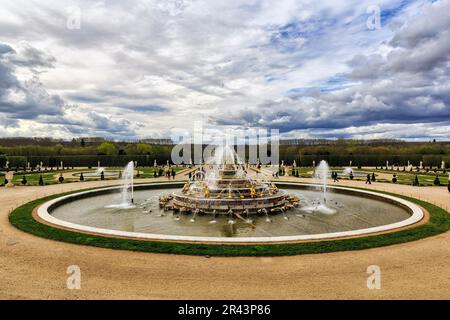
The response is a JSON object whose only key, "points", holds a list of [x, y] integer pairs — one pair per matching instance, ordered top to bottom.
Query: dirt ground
{"points": [[35, 268]]}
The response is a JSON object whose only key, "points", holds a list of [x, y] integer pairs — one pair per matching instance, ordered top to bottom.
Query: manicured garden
{"points": [[53, 177]]}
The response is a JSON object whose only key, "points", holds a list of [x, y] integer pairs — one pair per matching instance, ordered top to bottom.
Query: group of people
{"points": [[170, 173], [197, 174], [335, 176]]}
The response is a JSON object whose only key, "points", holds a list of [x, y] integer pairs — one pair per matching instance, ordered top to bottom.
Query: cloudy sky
{"points": [[312, 69]]}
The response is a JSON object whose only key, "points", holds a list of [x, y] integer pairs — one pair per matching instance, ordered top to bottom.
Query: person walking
{"points": [[173, 174], [335, 176], [368, 179]]}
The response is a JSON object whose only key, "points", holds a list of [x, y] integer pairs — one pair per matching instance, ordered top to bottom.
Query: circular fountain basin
{"points": [[350, 213]]}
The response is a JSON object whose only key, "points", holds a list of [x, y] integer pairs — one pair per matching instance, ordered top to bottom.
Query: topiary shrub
{"points": [[102, 176], [81, 177], [61, 178], [24, 180], [41, 180], [437, 182]]}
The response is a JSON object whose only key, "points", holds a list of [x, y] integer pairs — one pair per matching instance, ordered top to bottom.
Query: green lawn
{"points": [[51, 177], [403, 177], [407, 177], [33, 178], [439, 222]]}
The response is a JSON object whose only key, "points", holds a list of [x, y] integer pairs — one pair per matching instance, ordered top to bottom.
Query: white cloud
{"points": [[141, 68]]}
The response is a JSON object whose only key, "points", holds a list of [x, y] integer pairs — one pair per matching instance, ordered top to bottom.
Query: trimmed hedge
{"points": [[161, 158]]}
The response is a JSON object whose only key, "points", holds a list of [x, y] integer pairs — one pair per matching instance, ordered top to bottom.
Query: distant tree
{"points": [[107, 148], [143, 148], [58, 149]]}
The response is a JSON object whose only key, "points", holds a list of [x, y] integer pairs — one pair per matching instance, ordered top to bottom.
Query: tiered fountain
{"points": [[223, 186]]}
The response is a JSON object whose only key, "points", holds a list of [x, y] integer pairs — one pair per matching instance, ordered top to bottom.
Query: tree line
{"points": [[119, 153]]}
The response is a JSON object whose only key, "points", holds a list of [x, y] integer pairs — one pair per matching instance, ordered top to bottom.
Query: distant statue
{"points": [[206, 191]]}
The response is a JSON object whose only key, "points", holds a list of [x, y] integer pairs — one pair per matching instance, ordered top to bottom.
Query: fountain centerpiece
{"points": [[223, 186]]}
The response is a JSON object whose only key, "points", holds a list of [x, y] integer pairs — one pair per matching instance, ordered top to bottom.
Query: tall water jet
{"points": [[348, 171], [321, 174], [127, 193]]}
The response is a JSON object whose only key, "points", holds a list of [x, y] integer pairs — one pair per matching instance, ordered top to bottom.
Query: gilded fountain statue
{"points": [[223, 186]]}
